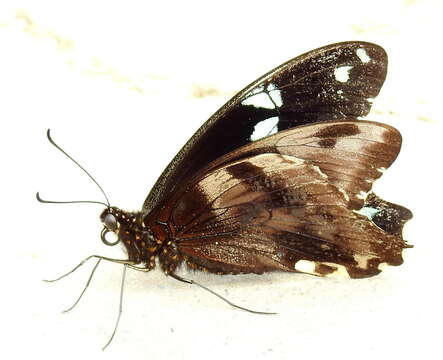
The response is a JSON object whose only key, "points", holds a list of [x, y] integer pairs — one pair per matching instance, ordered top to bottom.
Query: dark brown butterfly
{"points": [[279, 179]]}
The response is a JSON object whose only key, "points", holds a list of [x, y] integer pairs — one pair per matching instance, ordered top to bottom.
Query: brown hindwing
{"points": [[275, 212]]}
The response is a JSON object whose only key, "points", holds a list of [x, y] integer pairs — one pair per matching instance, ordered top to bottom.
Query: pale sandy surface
{"points": [[122, 87]]}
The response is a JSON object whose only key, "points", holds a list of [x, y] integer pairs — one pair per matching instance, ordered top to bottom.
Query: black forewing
{"points": [[334, 82]]}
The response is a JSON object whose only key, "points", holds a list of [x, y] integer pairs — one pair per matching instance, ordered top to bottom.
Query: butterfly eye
{"points": [[110, 222]]}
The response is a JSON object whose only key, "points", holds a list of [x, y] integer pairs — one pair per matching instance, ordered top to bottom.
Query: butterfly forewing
{"points": [[335, 82]]}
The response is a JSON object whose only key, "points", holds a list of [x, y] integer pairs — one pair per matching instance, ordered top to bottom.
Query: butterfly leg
{"points": [[100, 258], [117, 261], [126, 263], [146, 268], [188, 281], [86, 286], [120, 307]]}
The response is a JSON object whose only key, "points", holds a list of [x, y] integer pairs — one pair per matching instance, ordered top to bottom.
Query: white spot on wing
{"points": [[363, 55], [342, 73], [257, 90], [275, 94], [261, 98], [265, 128], [367, 211], [362, 260], [305, 266], [382, 266], [308, 267]]}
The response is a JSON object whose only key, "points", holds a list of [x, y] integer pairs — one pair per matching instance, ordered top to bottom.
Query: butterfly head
{"points": [[124, 225], [127, 228]]}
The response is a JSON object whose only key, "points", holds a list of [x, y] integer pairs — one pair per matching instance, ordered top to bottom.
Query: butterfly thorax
{"points": [[138, 240]]}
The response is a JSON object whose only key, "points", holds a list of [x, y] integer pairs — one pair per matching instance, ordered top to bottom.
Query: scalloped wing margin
{"points": [[277, 212]]}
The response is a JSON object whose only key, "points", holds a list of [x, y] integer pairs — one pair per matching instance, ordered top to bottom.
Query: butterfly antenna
{"points": [[48, 134], [37, 195]]}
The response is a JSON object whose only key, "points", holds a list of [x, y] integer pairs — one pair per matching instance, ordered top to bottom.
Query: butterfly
{"points": [[278, 179]]}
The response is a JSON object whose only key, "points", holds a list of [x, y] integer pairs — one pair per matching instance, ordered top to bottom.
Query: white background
{"points": [[123, 85]]}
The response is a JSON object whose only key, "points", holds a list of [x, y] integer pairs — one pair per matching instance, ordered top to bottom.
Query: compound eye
{"points": [[110, 222]]}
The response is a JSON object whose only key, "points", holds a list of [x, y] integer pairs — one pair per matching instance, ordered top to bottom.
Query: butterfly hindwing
{"points": [[271, 212]]}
